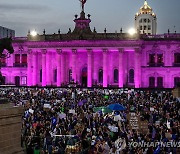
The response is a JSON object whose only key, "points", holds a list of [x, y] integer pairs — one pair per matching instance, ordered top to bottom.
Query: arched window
{"points": [[84, 71], [55, 75], [116, 75], [100, 76], [131, 76], [84, 77], [151, 82], [160, 82]]}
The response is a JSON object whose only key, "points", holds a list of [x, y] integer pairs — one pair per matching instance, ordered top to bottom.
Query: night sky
{"points": [[24, 15]]}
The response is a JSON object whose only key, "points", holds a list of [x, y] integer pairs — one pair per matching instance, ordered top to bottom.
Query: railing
{"points": [[162, 36], [20, 38], [2, 64], [156, 64], [176, 64], [20, 65]]}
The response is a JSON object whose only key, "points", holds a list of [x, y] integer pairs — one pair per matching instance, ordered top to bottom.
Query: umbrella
{"points": [[106, 97], [81, 103], [116, 107], [103, 109]]}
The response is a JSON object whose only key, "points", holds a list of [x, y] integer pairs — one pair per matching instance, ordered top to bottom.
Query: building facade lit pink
{"points": [[89, 59]]}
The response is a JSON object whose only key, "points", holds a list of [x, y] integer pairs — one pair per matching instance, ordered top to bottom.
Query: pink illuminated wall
{"points": [[94, 55]]}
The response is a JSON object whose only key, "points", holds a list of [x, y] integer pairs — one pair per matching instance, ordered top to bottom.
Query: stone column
{"points": [[59, 51], [74, 56], [44, 67], [62, 68], [105, 68], [137, 68], [29, 69], [48, 69], [121, 71], [34, 76], [89, 77]]}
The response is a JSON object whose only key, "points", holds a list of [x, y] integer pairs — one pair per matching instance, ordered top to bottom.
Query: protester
{"points": [[65, 121]]}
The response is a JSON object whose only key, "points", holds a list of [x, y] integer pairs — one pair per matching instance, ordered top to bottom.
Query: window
{"points": [[145, 20], [149, 20], [145, 27], [149, 27], [141, 28], [176, 57], [17, 58], [24, 58], [151, 58], [159, 58], [3, 60], [84, 72], [55, 75], [116, 75], [40, 76], [100, 76], [131, 76], [2, 79], [17, 80], [24, 80], [176, 81], [151, 82], [160, 82]]}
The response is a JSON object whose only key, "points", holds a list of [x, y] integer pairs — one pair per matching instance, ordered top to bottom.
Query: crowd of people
{"points": [[59, 121]]}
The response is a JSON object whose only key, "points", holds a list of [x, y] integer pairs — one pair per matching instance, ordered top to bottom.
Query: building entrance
{"points": [[84, 77]]}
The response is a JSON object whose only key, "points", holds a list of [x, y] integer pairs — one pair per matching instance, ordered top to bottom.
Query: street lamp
{"points": [[132, 31], [33, 33]]}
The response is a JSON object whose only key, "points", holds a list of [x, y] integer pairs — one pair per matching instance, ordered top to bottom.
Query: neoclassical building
{"points": [[89, 58]]}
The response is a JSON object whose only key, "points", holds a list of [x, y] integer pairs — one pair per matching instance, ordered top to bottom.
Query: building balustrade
{"points": [[3, 64], [20, 64], [156, 64], [176, 64]]}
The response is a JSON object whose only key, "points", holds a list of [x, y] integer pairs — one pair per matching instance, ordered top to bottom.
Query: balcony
{"points": [[2, 64], [156, 64], [159, 64], [176, 64], [20, 65]]}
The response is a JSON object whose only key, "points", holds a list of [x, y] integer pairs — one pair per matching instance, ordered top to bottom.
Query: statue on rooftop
{"points": [[82, 4]]}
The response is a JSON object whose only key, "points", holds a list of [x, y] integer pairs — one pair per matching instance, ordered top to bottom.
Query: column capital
{"points": [[105, 50], [121, 50], [137, 50], [29, 51], [44, 51], [59, 51], [74, 51], [89, 51], [34, 53]]}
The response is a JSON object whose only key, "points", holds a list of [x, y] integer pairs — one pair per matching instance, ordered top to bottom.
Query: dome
{"points": [[145, 9]]}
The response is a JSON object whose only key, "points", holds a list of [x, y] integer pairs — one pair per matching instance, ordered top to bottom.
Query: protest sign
{"points": [[48, 106], [31, 111]]}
